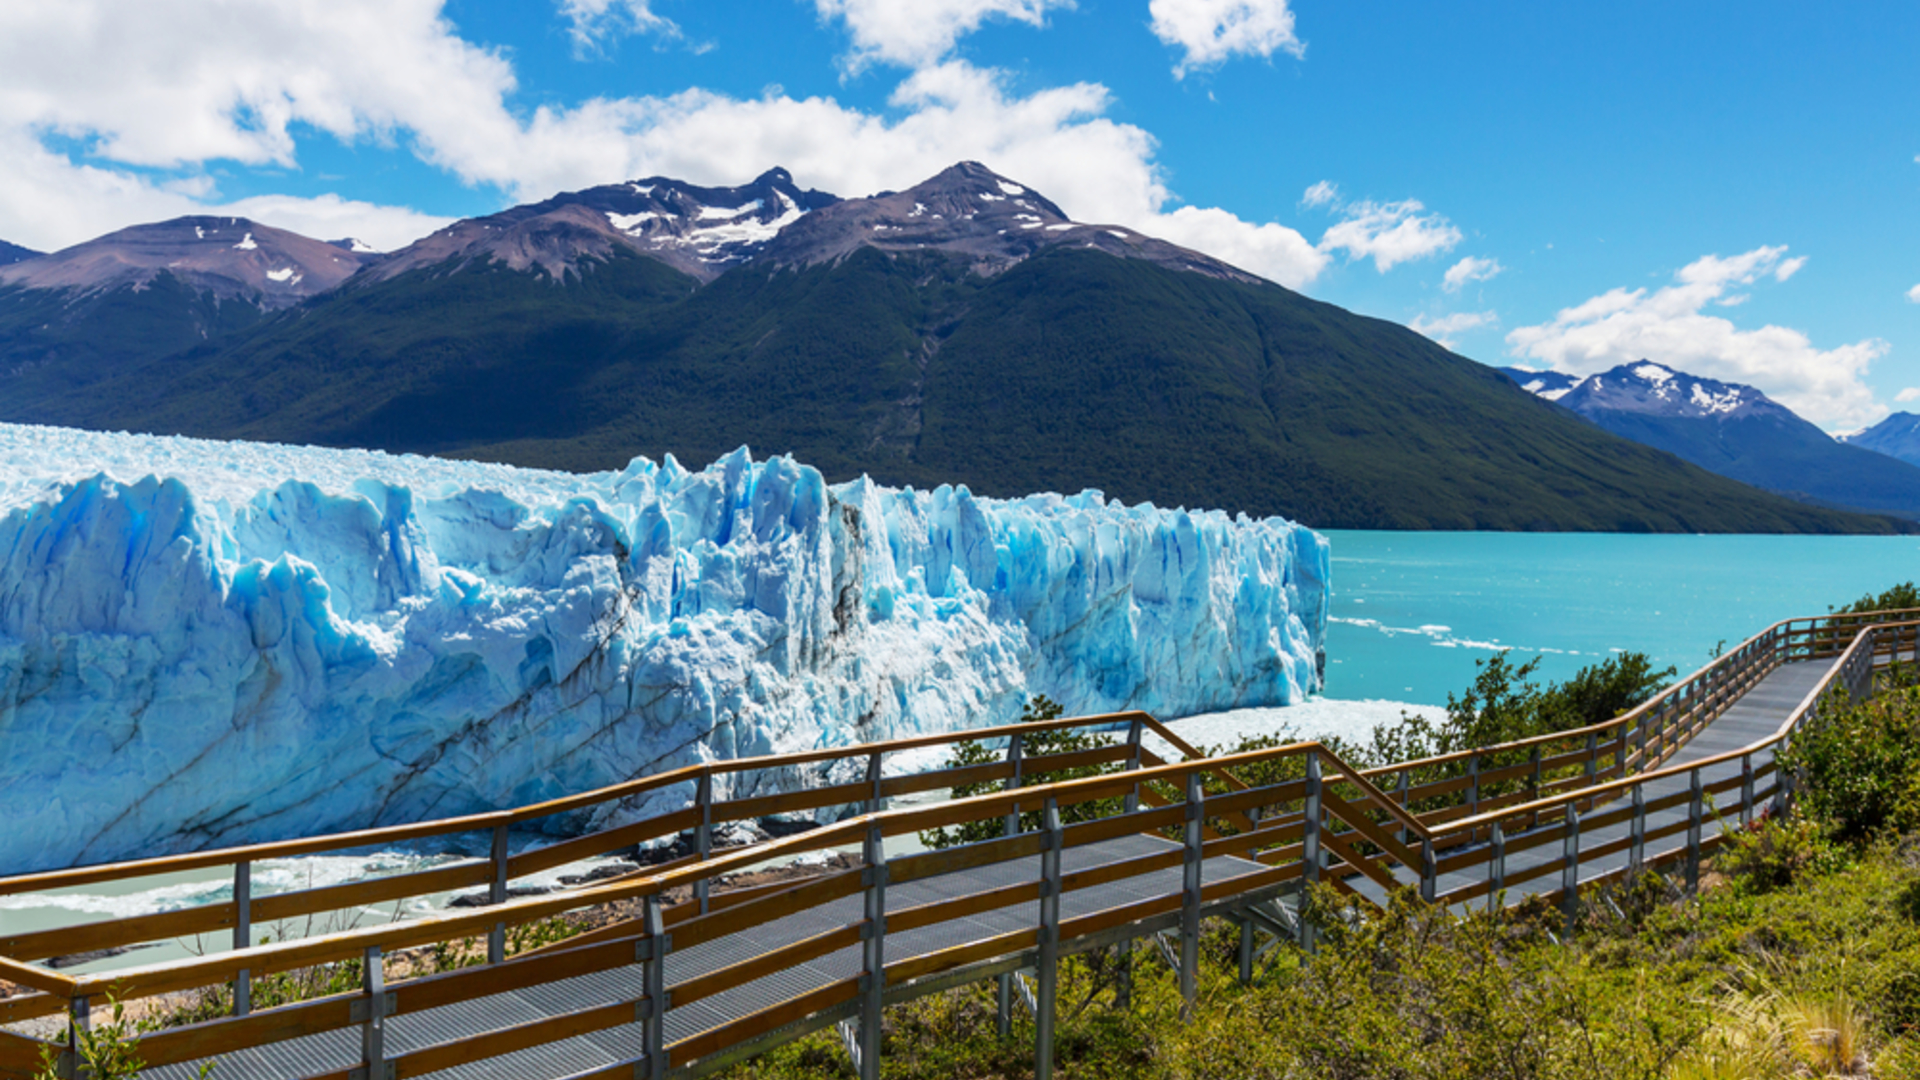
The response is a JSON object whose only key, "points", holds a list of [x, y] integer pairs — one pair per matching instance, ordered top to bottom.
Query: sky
{"points": [[1732, 189]]}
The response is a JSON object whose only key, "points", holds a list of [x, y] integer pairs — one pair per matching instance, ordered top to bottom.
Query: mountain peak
{"points": [[969, 210], [13, 253], [229, 256], [1649, 388]]}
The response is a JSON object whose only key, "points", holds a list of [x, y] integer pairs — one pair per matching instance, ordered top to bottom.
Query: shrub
{"points": [[1859, 768], [1771, 853]]}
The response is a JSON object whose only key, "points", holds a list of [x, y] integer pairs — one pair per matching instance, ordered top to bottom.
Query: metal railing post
{"points": [[1134, 733], [1016, 755], [1593, 756], [1533, 759], [1782, 780], [1473, 786], [1746, 789], [1401, 793], [876, 803], [1695, 810], [1637, 831], [703, 834], [1309, 846], [1497, 868], [1429, 871], [1570, 873], [497, 894], [1190, 895], [242, 935], [1246, 952], [1048, 975], [653, 978], [874, 981], [79, 1022], [373, 1028]]}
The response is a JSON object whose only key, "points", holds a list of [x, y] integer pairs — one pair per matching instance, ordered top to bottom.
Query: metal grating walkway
{"points": [[341, 1050]]}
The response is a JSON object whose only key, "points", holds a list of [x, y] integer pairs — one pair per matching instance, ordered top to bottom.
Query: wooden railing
{"points": [[1361, 830]]}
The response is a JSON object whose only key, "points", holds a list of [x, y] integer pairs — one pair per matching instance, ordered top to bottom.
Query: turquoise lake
{"points": [[1412, 612]]}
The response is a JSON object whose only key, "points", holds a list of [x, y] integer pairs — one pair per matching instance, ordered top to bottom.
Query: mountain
{"points": [[698, 231], [13, 253], [88, 312], [962, 331], [1734, 430], [1897, 436]]}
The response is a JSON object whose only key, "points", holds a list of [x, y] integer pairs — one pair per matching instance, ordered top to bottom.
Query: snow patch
{"points": [[1012, 189], [633, 224], [247, 243], [285, 275], [1653, 373]]}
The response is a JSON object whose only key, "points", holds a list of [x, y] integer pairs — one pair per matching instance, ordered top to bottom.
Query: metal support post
{"points": [[1134, 733], [1015, 754], [1593, 757], [1533, 758], [1782, 780], [1473, 786], [1746, 789], [1400, 792], [876, 803], [1695, 810], [1637, 830], [703, 833], [1310, 847], [1497, 868], [1429, 871], [1570, 872], [497, 894], [1190, 896], [242, 935], [1246, 952], [1049, 960], [653, 977], [874, 981], [1004, 1002], [79, 1022], [373, 1029]]}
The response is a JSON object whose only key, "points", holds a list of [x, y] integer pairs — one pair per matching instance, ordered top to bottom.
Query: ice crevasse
{"points": [[207, 643]]}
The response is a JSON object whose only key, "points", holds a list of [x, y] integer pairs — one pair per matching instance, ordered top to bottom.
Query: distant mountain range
{"points": [[13, 253], [962, 331], [1733, 430], [1896, 436]]}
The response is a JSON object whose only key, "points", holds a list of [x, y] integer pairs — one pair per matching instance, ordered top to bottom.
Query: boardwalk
{"points": [[1154, 845]]}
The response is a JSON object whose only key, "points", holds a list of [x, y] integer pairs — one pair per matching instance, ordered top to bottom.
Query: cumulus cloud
{"points": [[1210, 32], [916, 33], [159, 92], [1389, 233], [1469, 270], [1913, 294], [1668, 326], [1443, 329], [1906, 394]]}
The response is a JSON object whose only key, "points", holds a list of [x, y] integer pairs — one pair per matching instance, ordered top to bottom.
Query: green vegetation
{"points": [[1072, 369], [1902, 597]]}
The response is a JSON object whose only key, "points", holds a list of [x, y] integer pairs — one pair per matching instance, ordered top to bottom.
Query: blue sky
{"points": [[1727, 188]]}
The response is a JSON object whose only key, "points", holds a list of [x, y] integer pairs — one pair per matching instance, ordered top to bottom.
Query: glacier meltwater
{"points": [[206, 643]]}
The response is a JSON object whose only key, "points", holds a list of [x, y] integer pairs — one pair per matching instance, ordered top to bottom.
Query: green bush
{"points": [[1033, 745], [1858, 768], [1771, 854]]}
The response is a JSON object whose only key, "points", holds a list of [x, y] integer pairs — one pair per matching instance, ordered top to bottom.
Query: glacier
{"points": [[207, 643]]}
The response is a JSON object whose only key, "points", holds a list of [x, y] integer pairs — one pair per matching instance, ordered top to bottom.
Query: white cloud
{"points": [[592, 22], [1210, 32], [916, 33], [179, 85], [1324, 193], [1389, 233], [1273, 251], [1469, 270], [1913, 294], [1668, 327], [1444, 328], [1910, 393]]}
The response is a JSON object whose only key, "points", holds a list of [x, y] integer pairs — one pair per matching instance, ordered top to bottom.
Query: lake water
{"points": [[1411, 613]]}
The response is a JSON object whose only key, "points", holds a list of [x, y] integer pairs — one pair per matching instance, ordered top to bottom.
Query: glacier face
{"points": [[209, 643]]}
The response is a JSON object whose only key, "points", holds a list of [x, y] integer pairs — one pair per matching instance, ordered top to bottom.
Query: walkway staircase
{"points": [[700, 976]]}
